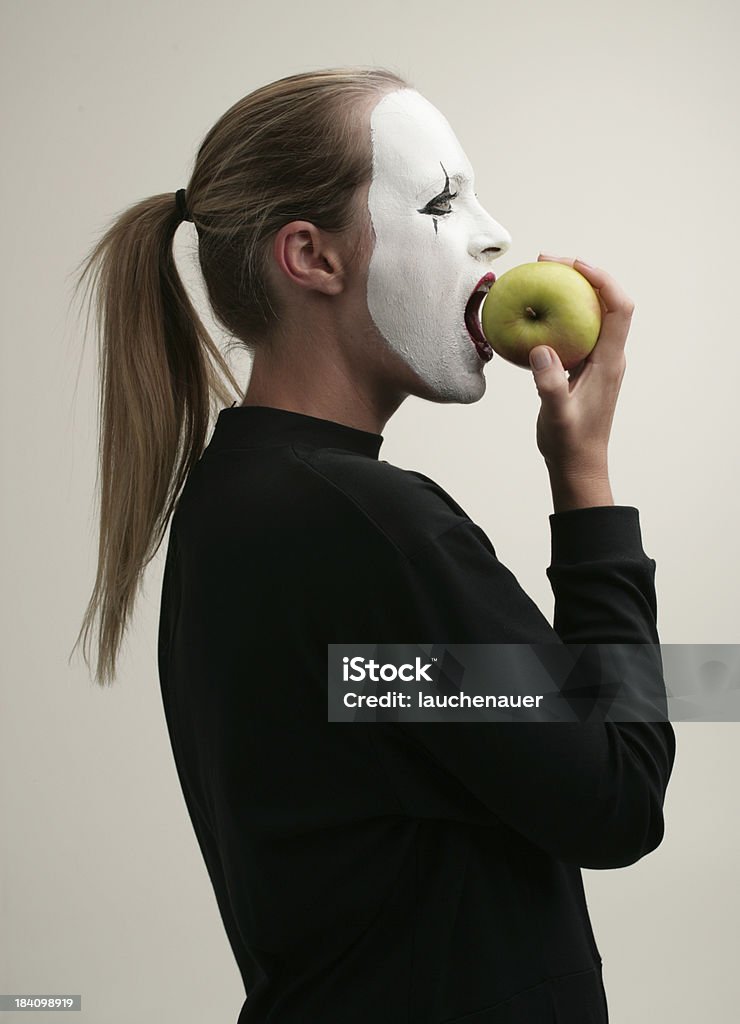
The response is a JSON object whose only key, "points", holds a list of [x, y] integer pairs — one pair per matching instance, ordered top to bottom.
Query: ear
{"points": [[309, 257]]}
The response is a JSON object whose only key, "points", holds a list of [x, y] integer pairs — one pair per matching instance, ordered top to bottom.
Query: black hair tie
{"points": [[181, 205]]}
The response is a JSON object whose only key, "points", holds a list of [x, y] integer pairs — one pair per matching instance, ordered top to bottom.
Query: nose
{"points": [[490, 241]]}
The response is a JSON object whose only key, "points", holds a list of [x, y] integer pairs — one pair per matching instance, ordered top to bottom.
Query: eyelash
{"points": [[444, 197]]}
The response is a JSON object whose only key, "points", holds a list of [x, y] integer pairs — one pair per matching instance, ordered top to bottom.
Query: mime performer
{"points": [[387, 872]]}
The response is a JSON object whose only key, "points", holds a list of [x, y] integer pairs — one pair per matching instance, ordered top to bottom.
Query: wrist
{"points": [[580, 488]]}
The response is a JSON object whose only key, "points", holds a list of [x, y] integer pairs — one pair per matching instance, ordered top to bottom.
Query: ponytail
{"points": [[157, 382]]}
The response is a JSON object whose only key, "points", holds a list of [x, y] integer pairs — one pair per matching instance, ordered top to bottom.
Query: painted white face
{"points": [[433, 244]]}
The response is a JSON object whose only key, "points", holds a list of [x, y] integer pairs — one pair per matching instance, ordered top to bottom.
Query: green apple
{"points": [[542, 303]]}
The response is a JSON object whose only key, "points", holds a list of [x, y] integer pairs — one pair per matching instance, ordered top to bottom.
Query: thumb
{"points": [[549, 375]]}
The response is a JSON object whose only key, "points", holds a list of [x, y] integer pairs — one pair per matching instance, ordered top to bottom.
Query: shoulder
{"points": [[407, 507]]}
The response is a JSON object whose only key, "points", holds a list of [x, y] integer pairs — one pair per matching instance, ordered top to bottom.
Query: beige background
{"points": [[607, 131]]}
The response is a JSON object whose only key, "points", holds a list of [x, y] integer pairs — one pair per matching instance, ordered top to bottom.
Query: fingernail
{"points": [[549, 256], [584, 264], [540, 358]]}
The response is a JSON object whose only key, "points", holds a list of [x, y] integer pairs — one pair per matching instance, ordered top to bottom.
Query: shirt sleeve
{"points": [[588, 793]]}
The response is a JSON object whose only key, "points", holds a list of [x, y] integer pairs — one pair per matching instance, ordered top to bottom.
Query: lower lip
{"points": [[475, 333]]}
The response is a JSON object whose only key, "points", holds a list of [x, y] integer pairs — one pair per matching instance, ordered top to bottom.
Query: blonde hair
{"points": [[292, 149]]}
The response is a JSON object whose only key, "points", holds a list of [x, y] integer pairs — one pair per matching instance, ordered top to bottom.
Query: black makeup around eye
{"points": [[443, 197]]}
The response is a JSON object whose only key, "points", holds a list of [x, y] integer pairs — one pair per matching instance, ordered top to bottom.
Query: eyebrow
{"points": [[461, 179]]}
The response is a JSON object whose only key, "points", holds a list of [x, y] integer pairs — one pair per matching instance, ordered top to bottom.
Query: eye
{"points": [[444, 197], [433, 205]]}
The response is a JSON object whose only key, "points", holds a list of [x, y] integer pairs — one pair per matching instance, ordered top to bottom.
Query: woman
{"points": [[365, 872]]}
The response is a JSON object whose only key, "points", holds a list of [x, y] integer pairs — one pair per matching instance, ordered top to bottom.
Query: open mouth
{"points": [[472, 317]]}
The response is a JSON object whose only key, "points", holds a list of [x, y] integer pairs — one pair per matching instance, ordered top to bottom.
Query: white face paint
{"points": [[431, 247]]}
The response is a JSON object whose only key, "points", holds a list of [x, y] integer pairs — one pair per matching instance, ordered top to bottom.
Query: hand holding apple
{"points": [[546, 303], [576, 412]]}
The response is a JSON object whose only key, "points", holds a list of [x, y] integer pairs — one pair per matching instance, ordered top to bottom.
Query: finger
{"points": [[615, 298], [617, 310], [616, 318], [551, 381]]}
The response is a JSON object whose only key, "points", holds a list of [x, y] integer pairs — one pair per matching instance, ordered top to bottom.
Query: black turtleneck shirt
{"points": [[392, 872]]}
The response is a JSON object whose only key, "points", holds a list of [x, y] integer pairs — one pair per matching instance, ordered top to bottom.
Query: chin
{"points": [[458, 378], [458, 392], [469, 392], [474, 393]]}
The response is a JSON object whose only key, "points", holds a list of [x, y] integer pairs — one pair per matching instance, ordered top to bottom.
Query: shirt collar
{"points": [[259, 426]]}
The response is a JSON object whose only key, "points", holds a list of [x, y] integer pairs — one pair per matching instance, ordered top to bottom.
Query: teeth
{"points": [[478, 312]]}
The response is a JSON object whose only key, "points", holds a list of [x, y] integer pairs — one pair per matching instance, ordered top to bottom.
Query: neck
{"points": [[319, 381]]}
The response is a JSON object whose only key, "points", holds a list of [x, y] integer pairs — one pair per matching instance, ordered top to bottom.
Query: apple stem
{"points": [[531, 312]]}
